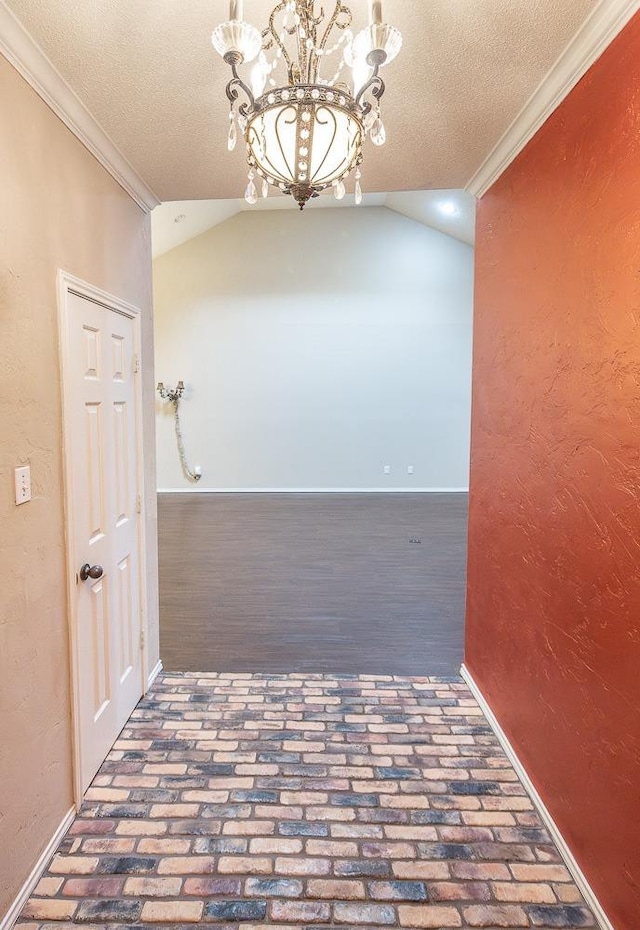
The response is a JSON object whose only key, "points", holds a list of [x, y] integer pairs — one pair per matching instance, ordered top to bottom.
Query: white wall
{"points": [[317, 349]]}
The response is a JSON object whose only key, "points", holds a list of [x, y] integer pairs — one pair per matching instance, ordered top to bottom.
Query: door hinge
{"points": [[136, 363], [138, 503], [142, 639]]}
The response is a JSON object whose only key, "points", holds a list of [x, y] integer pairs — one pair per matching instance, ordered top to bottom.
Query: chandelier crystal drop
{"points": [[304, 124], [232, 139], [358, 190], [251, 193]]}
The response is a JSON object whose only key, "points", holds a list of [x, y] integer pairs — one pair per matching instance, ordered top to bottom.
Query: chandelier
{"points": [[304, 133]]}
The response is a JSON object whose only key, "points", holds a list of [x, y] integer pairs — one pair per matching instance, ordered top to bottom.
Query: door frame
{"points": [[67, 285]]}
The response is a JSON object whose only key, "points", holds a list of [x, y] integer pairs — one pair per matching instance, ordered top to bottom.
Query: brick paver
{"points": [[303, 800]]}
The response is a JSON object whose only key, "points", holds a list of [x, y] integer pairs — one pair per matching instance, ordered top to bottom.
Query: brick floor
{"points": [[297, 801]]}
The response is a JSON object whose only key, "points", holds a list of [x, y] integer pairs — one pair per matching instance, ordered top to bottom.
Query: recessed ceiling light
{"points": [[449, 208], [180, 218]]}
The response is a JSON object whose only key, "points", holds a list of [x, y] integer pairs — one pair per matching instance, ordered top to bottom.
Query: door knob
{"points": [[90, 571]]}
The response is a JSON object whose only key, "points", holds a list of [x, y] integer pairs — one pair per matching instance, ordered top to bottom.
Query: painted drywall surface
{"points": [[58, 208], [317, 349], [553, 625]]}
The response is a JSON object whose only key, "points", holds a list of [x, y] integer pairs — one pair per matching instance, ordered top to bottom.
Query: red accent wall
{"points": [[553, 625]]}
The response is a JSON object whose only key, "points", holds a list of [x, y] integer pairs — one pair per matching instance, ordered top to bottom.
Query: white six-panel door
{"points": [[102, 469]]}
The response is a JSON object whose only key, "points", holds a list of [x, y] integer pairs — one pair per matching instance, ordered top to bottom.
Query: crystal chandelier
{"points": [[304, 133]]}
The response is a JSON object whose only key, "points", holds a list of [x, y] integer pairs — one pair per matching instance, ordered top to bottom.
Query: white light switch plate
{"points": [[23, 484]]}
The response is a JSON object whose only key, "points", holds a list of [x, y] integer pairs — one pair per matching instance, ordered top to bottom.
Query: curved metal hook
{"points": [[236, 82], [376, 87]]}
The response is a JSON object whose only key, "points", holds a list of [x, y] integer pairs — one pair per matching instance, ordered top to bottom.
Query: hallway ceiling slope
{"points": [[148, 74], [451, 212]]}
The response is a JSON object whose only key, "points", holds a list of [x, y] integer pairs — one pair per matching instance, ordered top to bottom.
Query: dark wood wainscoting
{"points": [[340, 583]]}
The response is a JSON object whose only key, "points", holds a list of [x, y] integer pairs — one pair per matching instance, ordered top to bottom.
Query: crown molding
{"points": [[607, 19], [29, 60]]}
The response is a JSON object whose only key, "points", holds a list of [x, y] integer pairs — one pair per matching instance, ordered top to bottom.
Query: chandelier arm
{"points": [[340, 9], [315, 20], [271, 37], [301, 44], [235, 83], [376, 87]]}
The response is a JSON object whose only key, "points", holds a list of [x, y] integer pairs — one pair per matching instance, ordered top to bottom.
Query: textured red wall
{"points": [[553, 625]]}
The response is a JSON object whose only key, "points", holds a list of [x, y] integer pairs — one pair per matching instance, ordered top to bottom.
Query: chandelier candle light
{"points": [[305, 133]]}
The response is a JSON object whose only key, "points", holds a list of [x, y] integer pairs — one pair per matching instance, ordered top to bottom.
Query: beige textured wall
{"points": [[58, 209]]}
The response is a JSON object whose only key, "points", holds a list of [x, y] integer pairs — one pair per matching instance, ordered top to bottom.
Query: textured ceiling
{"points": [[147, 72]]}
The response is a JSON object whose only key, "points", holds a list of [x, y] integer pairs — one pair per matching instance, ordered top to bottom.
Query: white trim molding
{"points": [[607, 19], [30, 61], [313, 490], [153, 674], [557, 837], [24, 894]]}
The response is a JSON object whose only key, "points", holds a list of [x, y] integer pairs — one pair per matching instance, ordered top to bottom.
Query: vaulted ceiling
{"points": [[148, 74], [449, 212]]}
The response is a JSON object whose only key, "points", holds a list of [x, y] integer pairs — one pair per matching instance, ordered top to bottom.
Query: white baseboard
{"points": [[313, 490], [153, 674], [564, 850], [15, 910]]}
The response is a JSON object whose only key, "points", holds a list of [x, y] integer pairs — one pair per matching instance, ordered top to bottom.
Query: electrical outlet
{"points": [[387, 469], [410, 469], [23, 484]]}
